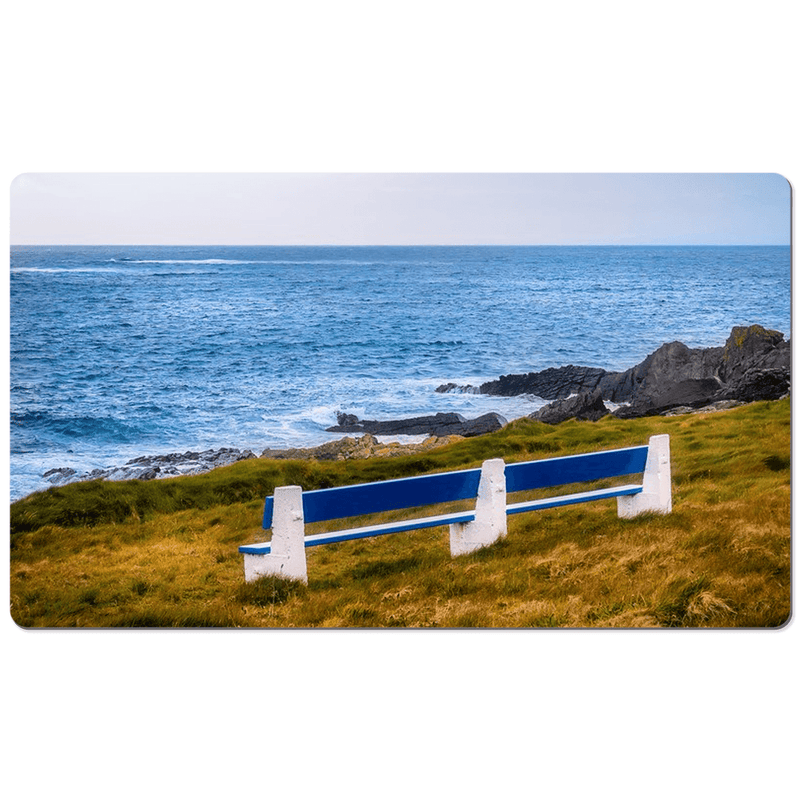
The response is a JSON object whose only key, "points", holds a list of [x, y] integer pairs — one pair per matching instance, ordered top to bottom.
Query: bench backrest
{"points": [[575, 469], [320, 505]]}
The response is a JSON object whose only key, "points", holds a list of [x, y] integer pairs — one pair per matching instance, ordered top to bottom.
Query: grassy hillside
{"points": [[164, 553]]}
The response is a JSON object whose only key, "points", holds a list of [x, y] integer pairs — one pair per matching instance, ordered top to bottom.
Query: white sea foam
{"points": [[190, 261], [344, 262], [55, 270], [323, 415]]}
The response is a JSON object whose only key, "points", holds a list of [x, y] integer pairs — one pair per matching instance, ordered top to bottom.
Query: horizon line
{"points": [[387, 244]]}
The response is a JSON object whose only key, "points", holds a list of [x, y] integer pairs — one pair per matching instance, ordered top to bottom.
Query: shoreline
{"points": [[754, 364], [176, 465]]}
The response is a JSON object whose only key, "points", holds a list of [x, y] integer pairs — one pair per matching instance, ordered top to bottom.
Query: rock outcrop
{"points": [[754, 364], [549, 384], [586, 406], [435, 425]]}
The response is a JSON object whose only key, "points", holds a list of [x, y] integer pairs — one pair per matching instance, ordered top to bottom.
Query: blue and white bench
{"points": [[290, 508]]}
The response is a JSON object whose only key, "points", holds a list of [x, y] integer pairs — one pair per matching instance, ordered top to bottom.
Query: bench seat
{"points": [[569, 499], [369, 530]]}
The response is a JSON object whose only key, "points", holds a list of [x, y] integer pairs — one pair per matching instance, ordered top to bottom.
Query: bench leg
{"points": [[656, 494], [490, 512], [287, 558]]}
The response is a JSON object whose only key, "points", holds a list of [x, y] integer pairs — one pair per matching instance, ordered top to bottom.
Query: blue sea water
{"points": [[117, 352]]}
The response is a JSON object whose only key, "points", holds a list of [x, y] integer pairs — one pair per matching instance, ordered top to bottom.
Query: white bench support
{"points": [[656, 494], [490, 512], [287, 558]]}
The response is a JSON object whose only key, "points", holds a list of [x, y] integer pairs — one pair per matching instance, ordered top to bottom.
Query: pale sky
{"points": [[399, 209]]}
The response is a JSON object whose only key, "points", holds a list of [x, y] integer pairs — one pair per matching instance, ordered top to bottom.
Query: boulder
{"points": [[753, 348], [671, 364], [756, 365], [584, 406]]}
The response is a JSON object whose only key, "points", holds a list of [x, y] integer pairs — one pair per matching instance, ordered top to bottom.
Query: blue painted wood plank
{"points": [[574, 469], [372, 498], [569, 499], [320, 505], [368, 531]]}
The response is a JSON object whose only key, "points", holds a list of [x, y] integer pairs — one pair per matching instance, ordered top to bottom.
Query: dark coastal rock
{"points": [[753, 348], [671, 364], [754, 364], [549, 384], [758, 384], [454, 387], [690, 393], [584, 406], [442, 424], [207, 458], [59, 472], [60, 475]]}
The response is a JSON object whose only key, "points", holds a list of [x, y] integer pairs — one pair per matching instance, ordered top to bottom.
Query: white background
{"points": [[368, 86]]}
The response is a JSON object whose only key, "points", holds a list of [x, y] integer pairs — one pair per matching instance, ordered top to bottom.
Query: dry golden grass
{"points": [[721, 559]]}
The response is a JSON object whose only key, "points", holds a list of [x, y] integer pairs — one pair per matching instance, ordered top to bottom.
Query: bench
{"points": [[290, 508]]}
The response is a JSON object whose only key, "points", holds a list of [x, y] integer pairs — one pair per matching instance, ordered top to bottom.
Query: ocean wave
{"points": [[187, 261], [346, 262], [73, 270], [111, 271], [191, 272]]}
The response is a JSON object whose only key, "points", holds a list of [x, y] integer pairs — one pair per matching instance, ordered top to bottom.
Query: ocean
{"points": [[118, 352]]}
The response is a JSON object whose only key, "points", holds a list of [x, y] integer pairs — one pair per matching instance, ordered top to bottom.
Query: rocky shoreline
{"points": [[754, 364], [174, 465], [147, 468]]}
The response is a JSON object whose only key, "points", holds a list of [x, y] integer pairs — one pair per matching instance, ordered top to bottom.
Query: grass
{"points": [[164, 553]]}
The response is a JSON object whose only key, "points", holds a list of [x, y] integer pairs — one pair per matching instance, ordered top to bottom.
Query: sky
{"points": [[400, 208]]}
